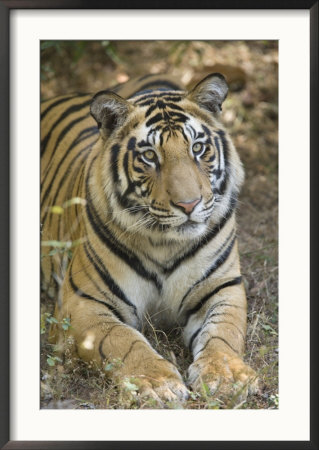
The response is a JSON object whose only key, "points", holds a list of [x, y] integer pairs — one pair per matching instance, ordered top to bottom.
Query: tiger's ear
{"points": [[210, 93], [109, 110]]}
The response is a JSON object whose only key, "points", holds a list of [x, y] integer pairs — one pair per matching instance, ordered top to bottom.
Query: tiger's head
{"points": [[167, 165]]}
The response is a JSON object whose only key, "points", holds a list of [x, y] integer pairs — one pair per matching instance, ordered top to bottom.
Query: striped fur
{"points": [[155, 234]]}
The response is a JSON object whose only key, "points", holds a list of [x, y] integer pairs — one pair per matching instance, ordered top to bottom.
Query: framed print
{"points": [[109, 292]]}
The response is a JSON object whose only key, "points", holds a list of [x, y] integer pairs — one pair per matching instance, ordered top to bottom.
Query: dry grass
{"points": [[250, 114]]}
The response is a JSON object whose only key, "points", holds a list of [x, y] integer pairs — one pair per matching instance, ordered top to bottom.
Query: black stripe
{"points": [[160, 84], [147, 93], [169, 96], [59, 102], [148, 102], [162, 105], [174, 107], [150, 110], [65, 114], [177, 117], [157, 118], [207, 130], [65, 131], [191, 131], [86, 133], [184, 135], [61, 136], [81, 137], [75, 142], [131, 143], [143, 143], [66, 154], [211, 159], [114, 160], [80, 168], [138, 169], [217, 171], [66, 174], [80, 185], [130, 185], [223, 185], [125, 202], [158, 209], [160, 216], [206, 239], [113, 244], [116, 247], [220, 260], [217, 263], [105, 276], [95, 284], [82, 294], [211, 294], [218, 304], [115, 312], [221, 322], [193, 337], [222, 339], [131, 348], [103, 357]]}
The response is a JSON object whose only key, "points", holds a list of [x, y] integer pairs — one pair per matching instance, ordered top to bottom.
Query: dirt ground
{"points": [[250, 114]]}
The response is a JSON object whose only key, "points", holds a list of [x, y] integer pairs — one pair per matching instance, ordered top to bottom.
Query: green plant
{"points": [[46, 317], [52, 360]]}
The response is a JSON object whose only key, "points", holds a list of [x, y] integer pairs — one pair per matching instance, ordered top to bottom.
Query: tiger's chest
{"points": [[179, 272]]}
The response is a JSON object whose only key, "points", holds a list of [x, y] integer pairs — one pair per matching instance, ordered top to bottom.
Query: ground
{"points": [[250, 114]]}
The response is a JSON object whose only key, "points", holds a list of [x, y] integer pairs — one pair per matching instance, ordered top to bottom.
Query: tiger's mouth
{"points": [[178, 222], [182, 225], [189, 225]]}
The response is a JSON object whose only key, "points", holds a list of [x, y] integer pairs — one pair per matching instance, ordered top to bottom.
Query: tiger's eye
{"points": [[197, 147], [150, 155]]}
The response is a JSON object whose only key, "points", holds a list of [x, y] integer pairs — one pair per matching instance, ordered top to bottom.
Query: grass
{"points": [[250, 115]]}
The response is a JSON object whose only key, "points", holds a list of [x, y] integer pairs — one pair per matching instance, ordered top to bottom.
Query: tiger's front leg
{"points": [[215, 332], [101, 334]]}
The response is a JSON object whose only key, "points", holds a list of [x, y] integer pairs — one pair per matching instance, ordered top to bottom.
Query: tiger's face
{"points": [[170, 164], [172, 173]]}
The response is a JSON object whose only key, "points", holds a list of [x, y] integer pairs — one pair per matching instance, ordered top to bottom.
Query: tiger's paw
{"points": [[224, 375], [160, 389]]}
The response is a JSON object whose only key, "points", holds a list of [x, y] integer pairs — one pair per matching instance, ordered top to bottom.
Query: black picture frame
{"points": [[6, 6]]}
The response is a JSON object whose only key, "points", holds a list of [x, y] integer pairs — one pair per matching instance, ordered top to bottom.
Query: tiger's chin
{"points": [[191, 228], [187, 231]]}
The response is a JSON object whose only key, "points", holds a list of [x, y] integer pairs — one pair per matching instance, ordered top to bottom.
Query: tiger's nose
{"points": [[188, 207]]}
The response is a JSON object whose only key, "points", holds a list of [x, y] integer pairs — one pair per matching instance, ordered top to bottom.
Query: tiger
{"points": [[151, 232]]}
